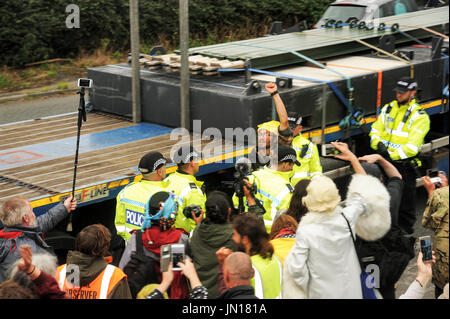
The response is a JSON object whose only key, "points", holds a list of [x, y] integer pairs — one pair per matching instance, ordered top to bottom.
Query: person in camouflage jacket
{"points": [[435, 218]]}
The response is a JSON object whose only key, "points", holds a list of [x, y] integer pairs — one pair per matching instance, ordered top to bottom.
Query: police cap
{"points": [[405, 84], [185, 154], [287, 154], [150, 162]]}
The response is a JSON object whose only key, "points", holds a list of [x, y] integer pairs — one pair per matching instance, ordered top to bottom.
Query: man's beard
{"points": [[404, 101]]}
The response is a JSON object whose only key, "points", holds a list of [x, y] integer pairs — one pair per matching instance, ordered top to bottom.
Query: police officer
{"points": [[398, 135], [307, 152], [184, 184], [274, 190], [132, 200]]}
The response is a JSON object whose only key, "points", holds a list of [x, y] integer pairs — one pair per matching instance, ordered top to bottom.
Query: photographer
{"points": [[272, 185], [188, 189], [158, 231], [212, 233], [393, 251], [188, 270]]}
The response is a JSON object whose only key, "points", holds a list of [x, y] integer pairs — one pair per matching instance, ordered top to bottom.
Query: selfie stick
{"points": [[81, 117]]}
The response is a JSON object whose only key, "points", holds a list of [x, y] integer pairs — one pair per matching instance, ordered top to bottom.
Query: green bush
{"points": [[35, 30]]}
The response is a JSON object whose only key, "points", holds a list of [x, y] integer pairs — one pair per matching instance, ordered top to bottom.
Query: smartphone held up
{"points": [[426, 249]]}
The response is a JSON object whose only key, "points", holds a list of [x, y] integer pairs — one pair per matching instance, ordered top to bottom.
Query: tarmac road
{"points": [[21, 110]]}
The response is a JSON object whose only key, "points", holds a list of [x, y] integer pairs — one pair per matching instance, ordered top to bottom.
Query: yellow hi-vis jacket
{"points": [[402, 128], [308, 156], [189, 192], [274, 192], [131, 203], [268, 277]]}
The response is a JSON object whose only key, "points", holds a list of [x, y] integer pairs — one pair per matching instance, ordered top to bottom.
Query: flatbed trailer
{"points": [[37, 156]]}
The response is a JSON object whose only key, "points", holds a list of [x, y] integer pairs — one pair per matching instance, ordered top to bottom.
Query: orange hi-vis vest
{"points": [[99, 288]]}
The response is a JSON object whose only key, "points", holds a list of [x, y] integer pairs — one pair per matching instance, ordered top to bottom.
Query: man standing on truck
{"points": [[289, 130], [398, 135], [188, 189], [132, 200]]}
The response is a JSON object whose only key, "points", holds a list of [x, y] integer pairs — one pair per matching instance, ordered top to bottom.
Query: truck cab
{"points": [[365, 10]]}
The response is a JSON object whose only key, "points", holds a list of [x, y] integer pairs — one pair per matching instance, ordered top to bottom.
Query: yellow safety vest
{"points": [[401, 128], [308, 156], [189, 192], [274, 192], [131, 203], [268, 277]]}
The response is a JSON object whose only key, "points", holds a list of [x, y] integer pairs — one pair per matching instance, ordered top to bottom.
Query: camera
{"points": [[85, 83], [328, 150], [243, 168], [433, 174], [188, 210], [172, 253]]}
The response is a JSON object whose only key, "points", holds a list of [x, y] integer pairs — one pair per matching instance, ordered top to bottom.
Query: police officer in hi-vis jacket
{"points": [[398, 135], [133, 199]]}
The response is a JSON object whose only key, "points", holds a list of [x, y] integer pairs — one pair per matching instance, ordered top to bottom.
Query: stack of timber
{"points": [[198, 64]]}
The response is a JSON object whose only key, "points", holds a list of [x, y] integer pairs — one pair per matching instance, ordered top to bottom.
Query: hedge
{"points": [[35, 30]]}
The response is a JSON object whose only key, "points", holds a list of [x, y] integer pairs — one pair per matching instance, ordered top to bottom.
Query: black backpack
{"points": [[140, 270]]}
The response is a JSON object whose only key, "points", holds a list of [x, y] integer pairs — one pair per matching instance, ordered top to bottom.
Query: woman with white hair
{"points": [[323, 262]]}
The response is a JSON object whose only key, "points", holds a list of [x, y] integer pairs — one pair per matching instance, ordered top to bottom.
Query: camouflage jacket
{"points": [[435, 218]]}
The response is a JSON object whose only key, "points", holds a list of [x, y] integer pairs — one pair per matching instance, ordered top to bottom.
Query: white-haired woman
{"points": [[323, 262]]}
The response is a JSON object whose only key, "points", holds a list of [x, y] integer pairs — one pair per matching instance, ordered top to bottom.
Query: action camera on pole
{"points": [[85, 83]]}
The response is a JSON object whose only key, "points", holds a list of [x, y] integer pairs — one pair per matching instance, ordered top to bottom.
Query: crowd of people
{"points": [[288, 233]]}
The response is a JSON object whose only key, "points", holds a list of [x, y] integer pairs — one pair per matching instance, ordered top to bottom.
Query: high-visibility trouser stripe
{"points": [[105, 281], [259, 290]]}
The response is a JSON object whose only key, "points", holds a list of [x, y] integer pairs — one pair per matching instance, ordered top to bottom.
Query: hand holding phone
{"points": [[329, 150], [433, 174], [426, 249], [177, 255], [165, 257]]}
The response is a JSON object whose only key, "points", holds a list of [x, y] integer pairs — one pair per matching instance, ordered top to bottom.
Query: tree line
{"points": [[35, 30]]}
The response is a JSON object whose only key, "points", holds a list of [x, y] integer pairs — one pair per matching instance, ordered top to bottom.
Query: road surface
{"points": [[21, 110]]}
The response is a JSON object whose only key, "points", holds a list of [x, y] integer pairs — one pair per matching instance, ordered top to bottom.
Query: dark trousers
{"points": [[407, 211], [437, 291], [388, 292]]}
